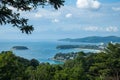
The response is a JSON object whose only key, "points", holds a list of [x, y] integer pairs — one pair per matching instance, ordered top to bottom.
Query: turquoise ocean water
{"points": [[41, 51]]}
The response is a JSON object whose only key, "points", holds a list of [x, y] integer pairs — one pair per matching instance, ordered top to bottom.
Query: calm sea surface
{"points": [[41, 51]]}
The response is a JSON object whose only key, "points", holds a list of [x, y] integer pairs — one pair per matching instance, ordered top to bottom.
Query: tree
{"points": [[8, 16], [34, 62], [113, 62], [106, 65], [11, 68], [44, 71]]}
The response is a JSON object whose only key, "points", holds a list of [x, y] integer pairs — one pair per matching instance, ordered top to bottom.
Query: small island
{"points": [[19, 48]]}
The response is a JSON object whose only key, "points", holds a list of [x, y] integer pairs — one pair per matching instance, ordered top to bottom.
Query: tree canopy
{"points": [[8, 16], [95, 66]]}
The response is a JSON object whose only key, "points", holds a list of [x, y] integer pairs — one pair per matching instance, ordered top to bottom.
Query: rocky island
{"points": [[19, 48]]}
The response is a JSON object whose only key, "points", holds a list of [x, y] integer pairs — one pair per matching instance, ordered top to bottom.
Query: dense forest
{"points": [[96, 66]]}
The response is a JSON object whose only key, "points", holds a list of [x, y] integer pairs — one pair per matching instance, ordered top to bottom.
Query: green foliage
{"points": [[8, 16], [34, 62], [98, 66], [10, 67], [42, 72]]}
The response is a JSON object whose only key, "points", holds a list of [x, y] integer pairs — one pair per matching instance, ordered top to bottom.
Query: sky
{"points": [[76, 19]]}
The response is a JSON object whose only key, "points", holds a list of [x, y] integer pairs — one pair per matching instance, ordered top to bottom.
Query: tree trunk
{"points": [[117, 75]]}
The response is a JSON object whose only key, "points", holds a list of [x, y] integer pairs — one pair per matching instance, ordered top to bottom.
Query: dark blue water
{"points": [[41, 51]]}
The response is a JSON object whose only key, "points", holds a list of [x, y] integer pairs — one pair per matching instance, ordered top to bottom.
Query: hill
{"points": [[94, 39]]}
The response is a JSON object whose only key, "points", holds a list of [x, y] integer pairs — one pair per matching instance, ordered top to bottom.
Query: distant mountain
{"points": [[94, 39]]}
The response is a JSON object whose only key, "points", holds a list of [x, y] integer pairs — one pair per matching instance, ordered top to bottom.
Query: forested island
{"points": [[96, 47], [19, 48], [95, 66]]}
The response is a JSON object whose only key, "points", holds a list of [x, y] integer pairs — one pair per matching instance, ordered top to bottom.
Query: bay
{"points": [[42, 50]]}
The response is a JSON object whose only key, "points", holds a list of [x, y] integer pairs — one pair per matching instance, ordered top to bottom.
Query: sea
{"points": [[42, 50]]}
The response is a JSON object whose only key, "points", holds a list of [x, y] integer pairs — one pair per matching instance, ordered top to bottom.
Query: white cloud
{"points": [[88, 4], [12, 8], [116, 8], [41, 12], [49, 13], [38, 15], [68, 15], [55, 21], [91, 28], [101, 29], [112, 29]]}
